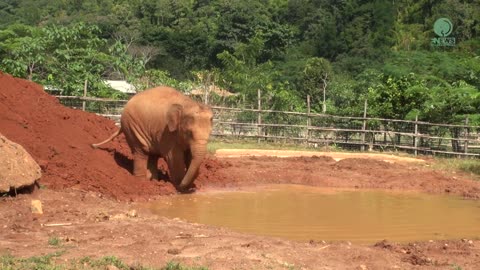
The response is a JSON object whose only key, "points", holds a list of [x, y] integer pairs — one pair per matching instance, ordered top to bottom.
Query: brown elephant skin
{"points": [[162, 122]]}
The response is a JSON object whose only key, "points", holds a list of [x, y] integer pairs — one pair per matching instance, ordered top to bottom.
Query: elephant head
{"points": [[191, 124]]}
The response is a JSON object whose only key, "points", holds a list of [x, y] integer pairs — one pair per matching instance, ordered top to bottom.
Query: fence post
{"points": [[206, 94], [84, 95], [259, 115], [364, 125], [307, 134], [466, 136], [415, 139]]}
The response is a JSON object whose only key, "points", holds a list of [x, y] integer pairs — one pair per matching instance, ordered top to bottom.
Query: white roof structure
{"points": [[122, 86]]}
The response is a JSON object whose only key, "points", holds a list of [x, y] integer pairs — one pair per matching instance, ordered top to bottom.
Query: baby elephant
{"points": [[162, 122]]}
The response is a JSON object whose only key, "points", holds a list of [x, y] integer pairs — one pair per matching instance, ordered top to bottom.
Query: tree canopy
{"points": [[351, 50]]}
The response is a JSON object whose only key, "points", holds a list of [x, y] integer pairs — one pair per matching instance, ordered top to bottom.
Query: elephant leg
{"points": [[140, 165], [176, 165], [153, 166]]}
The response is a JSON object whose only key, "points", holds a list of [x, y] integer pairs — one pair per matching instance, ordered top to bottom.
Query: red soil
{"points": [[59, 139]]}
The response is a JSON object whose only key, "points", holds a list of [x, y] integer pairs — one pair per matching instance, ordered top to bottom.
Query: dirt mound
{"points": [[59, 139], [363, 164], [211, 172]]}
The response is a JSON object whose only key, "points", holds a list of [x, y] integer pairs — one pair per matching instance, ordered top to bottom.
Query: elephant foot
{"points": [[188, 190]]}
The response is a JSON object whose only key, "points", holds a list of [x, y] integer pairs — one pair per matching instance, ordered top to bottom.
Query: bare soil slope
{"points": [[59, 139]]}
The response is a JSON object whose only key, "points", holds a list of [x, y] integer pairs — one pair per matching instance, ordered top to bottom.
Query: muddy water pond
{"points": [[309, 213]]}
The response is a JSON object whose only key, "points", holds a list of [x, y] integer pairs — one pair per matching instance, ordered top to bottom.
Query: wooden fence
{"points": [[322, 130]]}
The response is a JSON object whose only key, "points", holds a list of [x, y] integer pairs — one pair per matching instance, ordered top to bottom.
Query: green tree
{"points": [[7, 12], [22, 50], [63, 57], [73, 57], [317, 75], [245, 76], [153, 77], [347, 95], [397, 98], [451, 103]]}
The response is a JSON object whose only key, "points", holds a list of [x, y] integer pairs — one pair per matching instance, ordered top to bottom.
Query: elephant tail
{"points": [[118, 132]]}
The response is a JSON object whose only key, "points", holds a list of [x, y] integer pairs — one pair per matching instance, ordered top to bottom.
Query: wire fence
{"points": [[321, 130]]}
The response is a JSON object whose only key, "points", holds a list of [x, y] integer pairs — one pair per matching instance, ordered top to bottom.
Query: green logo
{"points": [[443, 27]]}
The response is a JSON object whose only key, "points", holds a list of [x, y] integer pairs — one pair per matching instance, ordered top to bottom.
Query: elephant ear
{"points": [[174, 115]]}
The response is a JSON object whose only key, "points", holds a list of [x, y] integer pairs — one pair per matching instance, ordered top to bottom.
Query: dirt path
{"points": [[101, 226]]}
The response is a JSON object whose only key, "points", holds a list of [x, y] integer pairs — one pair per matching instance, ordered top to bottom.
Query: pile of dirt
{"points": [[59, 139], [362, 165], [212, 172]]}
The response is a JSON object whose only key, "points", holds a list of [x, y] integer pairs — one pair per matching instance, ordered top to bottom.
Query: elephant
{"points": [[162, 122]]}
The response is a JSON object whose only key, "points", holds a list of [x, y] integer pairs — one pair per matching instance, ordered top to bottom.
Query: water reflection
{"points": [[306, 213]]}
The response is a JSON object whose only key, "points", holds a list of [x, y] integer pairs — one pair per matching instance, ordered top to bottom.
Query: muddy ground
{"points": [[92, 224]]}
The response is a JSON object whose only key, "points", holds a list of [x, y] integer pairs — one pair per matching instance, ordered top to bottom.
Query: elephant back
{"points": [[144, 116]]}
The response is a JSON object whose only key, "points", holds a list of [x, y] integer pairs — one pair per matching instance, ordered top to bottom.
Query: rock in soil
{"points": [[17, 167]]}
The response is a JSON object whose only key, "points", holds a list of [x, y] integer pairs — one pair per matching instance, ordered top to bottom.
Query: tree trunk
{"points": [[455, 143]]}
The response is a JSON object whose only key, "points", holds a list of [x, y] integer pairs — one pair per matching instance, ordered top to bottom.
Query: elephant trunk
{"points": [[199, 151]]}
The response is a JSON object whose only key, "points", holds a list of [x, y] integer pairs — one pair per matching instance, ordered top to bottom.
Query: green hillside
{"points": [[385, 52]]}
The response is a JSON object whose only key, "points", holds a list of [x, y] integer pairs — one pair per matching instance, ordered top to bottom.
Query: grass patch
{"points": [[471, 166], [54, 241], [46, 262], [49, 262], [103, 262], [177, 266], [456, 267]]}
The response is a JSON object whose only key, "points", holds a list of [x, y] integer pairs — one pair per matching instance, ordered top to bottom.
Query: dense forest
{"points": [[350, 50]]}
